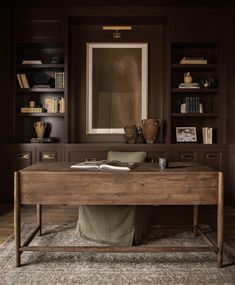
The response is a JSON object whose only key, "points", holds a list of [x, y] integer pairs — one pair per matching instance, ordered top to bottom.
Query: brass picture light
{"points": [[117, 29]]}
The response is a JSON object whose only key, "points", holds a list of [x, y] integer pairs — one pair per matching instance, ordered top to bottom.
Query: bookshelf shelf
{"points": [[40, 66], [194, 66], [29, 90], [194, 90], [36, 114], [196, 115]]}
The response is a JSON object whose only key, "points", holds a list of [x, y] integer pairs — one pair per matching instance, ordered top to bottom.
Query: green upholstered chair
{"points": [[118, 225]]}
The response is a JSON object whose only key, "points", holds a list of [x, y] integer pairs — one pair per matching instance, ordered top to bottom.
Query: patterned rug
{"points": [[119, 268]]}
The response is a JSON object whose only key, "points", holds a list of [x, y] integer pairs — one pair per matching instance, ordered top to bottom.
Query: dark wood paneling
{"points": [[39, 25], [195, 27], [79, 36], [229, 56], [6, 114], [231, 180], [6, 181]]}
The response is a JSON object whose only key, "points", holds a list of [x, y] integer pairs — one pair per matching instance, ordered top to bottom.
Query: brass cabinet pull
{"points": [[23, 155], [48, 156], [186, 156], [209, 156], [90, 159]]}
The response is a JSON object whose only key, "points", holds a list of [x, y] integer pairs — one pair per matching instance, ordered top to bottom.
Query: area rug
{"points": [[115, 268]]}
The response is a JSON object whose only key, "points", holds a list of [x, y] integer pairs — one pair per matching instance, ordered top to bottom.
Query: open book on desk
{"points": [[105, 165]]}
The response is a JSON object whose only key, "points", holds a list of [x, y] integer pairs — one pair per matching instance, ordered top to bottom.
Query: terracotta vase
{"points": [[188, 78], [40, 128], [150, 129], [131, 133]]}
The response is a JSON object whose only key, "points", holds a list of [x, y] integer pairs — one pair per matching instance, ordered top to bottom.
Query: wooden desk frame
{"points": [[207, 191]]}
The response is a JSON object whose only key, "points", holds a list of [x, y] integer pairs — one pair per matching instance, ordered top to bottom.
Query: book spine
{"points": [[19, 80], [24, 80]]}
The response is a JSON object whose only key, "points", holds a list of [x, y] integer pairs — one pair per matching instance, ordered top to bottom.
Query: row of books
{"points": [[59, 79], [22, 80], [24, 83], [55, 105], [191, 105], [207, 135]]}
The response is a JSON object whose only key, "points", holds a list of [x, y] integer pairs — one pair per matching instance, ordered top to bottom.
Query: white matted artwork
{"points": [[116, 86], [186, 134]]}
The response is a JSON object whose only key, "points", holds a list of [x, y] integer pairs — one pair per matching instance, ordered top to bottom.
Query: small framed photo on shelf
{"points": [[186, 134]]}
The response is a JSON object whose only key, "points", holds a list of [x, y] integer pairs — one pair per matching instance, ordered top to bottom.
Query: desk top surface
{"points": [[65, 167]]}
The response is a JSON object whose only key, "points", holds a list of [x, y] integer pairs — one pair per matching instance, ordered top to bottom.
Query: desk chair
{"points": [[118, 225]]}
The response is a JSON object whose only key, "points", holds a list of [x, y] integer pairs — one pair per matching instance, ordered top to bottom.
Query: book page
{"points": [[87, 165], [105, 165], [117, 165]]}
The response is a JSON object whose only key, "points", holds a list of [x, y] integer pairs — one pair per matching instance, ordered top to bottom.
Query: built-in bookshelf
{"points": [[40, 90], [198, 104]]}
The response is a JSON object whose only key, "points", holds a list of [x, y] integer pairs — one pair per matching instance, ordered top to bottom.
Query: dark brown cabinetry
{"points": [[41, 33], [45, 83], [198, 106], [81, 152], [231, 174]]}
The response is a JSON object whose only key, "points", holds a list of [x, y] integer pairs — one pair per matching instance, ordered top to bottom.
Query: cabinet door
{"points": [[48, 153], [24, 155], [184, 155], [213, 158], [216, 158], [6, 181]]}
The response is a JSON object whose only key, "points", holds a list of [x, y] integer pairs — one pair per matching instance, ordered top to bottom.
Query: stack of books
{"points": [[193, 60], [32, 61], [189, 85], [31, 110], [207, 135], [43, 140]]}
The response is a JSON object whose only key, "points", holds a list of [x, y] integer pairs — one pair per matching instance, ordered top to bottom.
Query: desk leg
{"points": [[17, 218], [39, 218], [195, 219], [220, 220]]}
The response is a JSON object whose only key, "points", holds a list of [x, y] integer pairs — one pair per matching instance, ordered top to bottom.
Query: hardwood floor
{"points": [[164, 215]]}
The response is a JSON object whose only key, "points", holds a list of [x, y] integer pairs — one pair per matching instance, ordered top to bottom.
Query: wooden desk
{"points": [[56, 184]]}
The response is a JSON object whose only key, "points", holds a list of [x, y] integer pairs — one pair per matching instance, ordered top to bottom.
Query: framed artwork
{"points": [[116, 86], [186, 134]]}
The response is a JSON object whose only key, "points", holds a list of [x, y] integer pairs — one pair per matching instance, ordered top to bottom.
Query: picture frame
{"points": [[116, 86], [186, 134]]}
